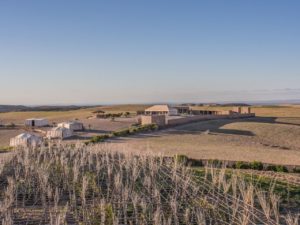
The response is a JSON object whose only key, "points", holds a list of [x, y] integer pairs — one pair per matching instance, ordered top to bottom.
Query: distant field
{"points": [[59, 116], [272, 137], [257, 139]]}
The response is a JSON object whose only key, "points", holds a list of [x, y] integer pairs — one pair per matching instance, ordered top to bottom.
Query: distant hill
{"points": [[22, 108]]}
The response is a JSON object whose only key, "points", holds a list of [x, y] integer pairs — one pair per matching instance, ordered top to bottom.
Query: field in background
{"points": [[285, 111], [59, 116], [272, 137]]}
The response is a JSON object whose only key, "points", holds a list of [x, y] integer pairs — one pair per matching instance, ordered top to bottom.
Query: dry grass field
{"points": [[59, 116], [273, 136], [263, 139]]}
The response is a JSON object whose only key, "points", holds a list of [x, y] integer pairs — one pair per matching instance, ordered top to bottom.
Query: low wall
{"points": [[179, 121]]}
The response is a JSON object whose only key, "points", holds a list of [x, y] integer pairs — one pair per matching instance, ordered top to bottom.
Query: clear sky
{"points": [[88, 52]]}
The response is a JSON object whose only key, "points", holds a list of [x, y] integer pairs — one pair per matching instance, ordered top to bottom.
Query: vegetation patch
{"points": [[123, 133], [90, 185]]}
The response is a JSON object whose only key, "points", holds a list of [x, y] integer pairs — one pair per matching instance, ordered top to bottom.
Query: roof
{"points": [[158, 108], [36, 119], [71, 122], [59, 129], [26, 136]]}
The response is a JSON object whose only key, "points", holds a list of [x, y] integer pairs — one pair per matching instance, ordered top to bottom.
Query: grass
{"points": [[92, 184], [289, 193]]}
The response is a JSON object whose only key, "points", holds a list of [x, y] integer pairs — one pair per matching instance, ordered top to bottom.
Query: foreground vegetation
{"points": [[98, 185]]}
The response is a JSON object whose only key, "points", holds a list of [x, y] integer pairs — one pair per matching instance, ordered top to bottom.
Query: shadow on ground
{"points": [[213, 127]]}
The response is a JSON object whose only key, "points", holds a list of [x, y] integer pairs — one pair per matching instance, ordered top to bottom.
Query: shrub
{"points": [[121, 133], [99, 138], [181, 158], [196, 162], [215, 162], [241, 165], [255, 165], [271, 168], [277, 168], [280, 168], [296, 169]]}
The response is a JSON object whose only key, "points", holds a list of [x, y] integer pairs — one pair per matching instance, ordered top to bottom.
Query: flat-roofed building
{"points": [[161, 110], [36, 122], [72, 125], [59, 132], [25, 140]]}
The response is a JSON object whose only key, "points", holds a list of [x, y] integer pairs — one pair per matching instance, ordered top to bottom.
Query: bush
{"points": [[121, 133], [99, 138], [181, 158], [215, 162], [241, 165], [255, 165], [271, 168], [277, 168], [281, 168], [296, 170]]}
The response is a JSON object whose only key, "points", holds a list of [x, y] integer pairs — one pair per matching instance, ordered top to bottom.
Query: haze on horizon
{"points": [[97, 52]]}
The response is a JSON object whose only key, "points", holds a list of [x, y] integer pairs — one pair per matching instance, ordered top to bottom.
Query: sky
{"points": [[138, 51]]}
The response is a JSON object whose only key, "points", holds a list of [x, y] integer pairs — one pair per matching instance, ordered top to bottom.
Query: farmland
{"points": [[271, 137], [259, 139], [100, 185]]}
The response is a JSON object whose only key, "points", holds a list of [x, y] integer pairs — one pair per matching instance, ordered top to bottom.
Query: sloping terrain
{"points": [[260, 139]]}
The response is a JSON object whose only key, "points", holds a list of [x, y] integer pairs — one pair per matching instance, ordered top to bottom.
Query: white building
{"points": [[161, 110], [35, 122], [74, 125], [60, 132], [25, 140]]}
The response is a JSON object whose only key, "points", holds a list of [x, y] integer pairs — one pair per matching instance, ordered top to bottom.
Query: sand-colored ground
{"points": [[59, 116], [6, 134], [260, 139]]}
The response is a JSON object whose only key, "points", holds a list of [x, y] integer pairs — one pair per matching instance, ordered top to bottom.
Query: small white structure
{"points": [[161, 110], [35, 122], [73, 125], [60, 132], [25, 140]]}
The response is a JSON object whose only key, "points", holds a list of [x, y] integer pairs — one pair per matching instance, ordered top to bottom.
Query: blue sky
{"points": [[95, 52]]}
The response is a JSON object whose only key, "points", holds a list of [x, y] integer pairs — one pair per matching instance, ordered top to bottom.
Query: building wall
{"points": [[237, 109], [246, 110], [160, 120], [179, 121], [37, 123], [71, 126], [59, 133], [31, 142]]}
